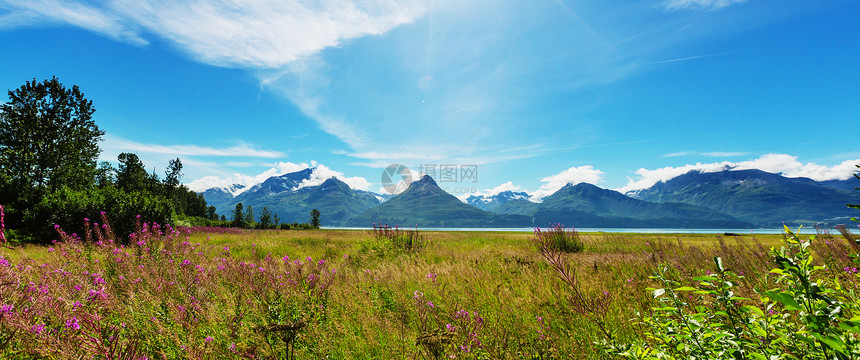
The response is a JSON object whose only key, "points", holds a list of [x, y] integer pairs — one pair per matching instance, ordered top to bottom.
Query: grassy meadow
{"points": [[349, 294]]}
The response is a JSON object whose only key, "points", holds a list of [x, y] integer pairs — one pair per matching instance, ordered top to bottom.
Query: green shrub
{"points": [[68, 209], [295, 226], [559, 238], [802, 316]]}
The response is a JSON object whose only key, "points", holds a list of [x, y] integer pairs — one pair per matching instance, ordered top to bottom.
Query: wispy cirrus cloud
{"points": [[699, 4], [85, 15], [237, 33], [113, 144]]}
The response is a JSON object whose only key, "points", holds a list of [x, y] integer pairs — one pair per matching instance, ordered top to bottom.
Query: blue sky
{"points": [[537, 94]]}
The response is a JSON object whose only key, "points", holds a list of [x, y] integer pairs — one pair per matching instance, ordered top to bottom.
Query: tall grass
{"points": [[187, 293]]}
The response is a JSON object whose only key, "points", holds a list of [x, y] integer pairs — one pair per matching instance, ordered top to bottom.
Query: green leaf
{"points": [[686, 288], [785, 299], [753, 309], [831, 342]]}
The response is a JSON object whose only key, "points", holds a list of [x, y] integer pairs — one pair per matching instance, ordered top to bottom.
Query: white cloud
{"points": [[699, 4], [30, 12], [243, 33], [113, 144], [787, 165], [280, 168], [323, 173], [574, 175], [318, 176], [650, 177], [508, 186]]}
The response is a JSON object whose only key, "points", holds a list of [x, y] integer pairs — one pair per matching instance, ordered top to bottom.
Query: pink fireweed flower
{"points": [[6, 309], [73, 323], [450, 327], [38, 328], [208, 339]]}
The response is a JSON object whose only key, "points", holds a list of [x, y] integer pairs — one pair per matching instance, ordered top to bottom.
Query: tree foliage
{"points": [[48, 140], [131, 175], [68, 208], [238, 216], [315, 218]]}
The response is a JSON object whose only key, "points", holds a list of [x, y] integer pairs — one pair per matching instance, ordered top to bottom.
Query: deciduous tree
{"points": [[48, 140]]}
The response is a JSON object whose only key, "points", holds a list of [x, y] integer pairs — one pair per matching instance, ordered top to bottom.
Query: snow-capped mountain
{"points": [[278, 184], [291, 196], [490, 202]]}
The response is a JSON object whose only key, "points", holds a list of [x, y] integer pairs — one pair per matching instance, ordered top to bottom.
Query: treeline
{"points": [[49, 173], [243, 217]]}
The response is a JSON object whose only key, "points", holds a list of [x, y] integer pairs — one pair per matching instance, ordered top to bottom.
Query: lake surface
{"points": [[613, 230]]}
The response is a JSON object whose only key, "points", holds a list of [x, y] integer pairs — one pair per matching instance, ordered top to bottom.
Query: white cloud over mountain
{"points": [[785, 164], [573, 175], [318, 176]]}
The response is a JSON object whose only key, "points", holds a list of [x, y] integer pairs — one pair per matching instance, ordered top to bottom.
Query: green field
{"points": [[492, 293]]}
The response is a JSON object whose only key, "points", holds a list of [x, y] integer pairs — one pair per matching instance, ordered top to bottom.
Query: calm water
{"points": [[613, 230]]}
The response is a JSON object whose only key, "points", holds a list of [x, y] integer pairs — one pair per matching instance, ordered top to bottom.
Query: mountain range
{"points": [[763, 198], [292, 199], [730, 199], [425, 204]]}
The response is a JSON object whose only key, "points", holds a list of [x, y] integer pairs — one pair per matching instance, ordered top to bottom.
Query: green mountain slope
{"points": [[756, 196], [334, 199], [426, 205], [586, 205]]}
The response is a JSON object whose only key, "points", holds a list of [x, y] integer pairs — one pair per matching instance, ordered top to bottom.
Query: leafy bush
{"points": [[68, 208], [197, 221], [295, 226], [559, 238], [803, 316]]}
